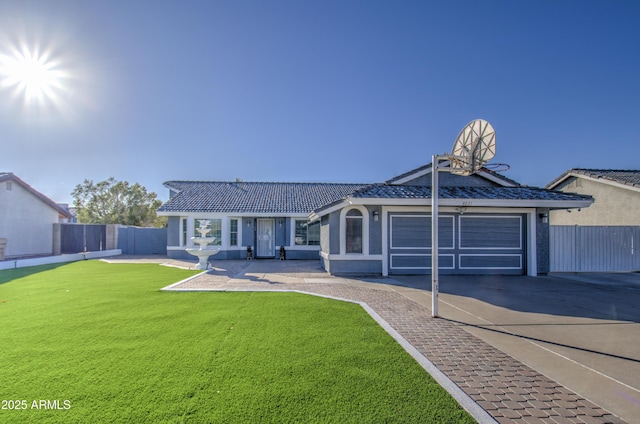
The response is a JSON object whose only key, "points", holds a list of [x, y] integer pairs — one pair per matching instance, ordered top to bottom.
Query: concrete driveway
{"points": [[581, 330]]}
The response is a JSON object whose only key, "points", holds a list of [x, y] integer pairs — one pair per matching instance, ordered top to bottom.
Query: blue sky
{"points": [[323, 90]]}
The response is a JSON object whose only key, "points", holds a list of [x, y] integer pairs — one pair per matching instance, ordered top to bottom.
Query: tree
{"points": [[116, 202]]}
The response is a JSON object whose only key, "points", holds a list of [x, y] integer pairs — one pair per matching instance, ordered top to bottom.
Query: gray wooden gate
{"points": [[77, 238], [575, 248]]}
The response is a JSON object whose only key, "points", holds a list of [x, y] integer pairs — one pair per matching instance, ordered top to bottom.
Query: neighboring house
{"points": [[616, 194], [73, 213], [26, 218], [488, 223], [604, 237]]}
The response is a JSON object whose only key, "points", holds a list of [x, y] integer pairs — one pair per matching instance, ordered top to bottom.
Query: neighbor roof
{"points": [[10, 176], [625, 177], [253, 197]]}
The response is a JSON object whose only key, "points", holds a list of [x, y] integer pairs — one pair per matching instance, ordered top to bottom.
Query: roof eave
{"points": [[572, 173], [168, 186], [496, 203]]}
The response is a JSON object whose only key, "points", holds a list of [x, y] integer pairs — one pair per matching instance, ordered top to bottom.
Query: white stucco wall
{"points": [[613, 205], [26, 221]]}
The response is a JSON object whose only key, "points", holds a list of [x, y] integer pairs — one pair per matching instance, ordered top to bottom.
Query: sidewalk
{"points": [[505, 389]]}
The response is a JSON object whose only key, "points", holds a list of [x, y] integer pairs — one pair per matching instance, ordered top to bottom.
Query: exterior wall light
{"points": [[376, 214], [544, 217]]}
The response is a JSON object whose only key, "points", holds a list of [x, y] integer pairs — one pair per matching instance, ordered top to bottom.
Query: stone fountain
{"points": [[203, 252]]}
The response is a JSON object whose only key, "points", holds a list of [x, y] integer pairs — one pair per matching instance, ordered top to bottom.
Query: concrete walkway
{"points": [[522, 349]]}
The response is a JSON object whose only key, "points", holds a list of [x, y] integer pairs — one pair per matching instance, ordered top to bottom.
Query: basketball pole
{"points": [[474, 146], [435, 165]]}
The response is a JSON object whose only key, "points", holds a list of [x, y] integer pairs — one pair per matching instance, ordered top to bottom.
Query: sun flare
{"points": [[31, 74]]}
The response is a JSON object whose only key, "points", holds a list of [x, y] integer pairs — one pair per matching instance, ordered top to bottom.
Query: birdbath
{"points": [[203, 252]]}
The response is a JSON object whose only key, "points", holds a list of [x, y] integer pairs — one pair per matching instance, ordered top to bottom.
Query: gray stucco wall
{"points": [[375, 230], [248, 232], [324, 234], [334, 235], [542, 241], [353, 267]]}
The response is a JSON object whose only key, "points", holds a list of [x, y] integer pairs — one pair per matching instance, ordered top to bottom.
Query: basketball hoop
{"points": [[474, 146], [497, 167]]}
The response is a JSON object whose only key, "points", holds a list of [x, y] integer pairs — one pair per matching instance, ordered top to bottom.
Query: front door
{"points": [[265, 243]]}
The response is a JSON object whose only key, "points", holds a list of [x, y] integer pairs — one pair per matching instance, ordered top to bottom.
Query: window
{"points": [[214, 227], [216, 231], [354, 231], [184, 232], [233, 232], [307, 234]]}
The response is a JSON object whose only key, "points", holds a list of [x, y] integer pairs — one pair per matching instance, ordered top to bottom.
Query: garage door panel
{"points": [[414, 231], [492, 232], [420, 261], [495, 261]]}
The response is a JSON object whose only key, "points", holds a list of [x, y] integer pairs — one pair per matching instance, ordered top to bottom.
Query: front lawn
{"points": [[97, 342]]}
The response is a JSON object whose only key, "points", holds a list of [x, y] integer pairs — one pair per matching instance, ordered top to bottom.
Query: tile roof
{"points": [[427, 167], [628, 177], [382, 191], [408, 192], [253, 197]]}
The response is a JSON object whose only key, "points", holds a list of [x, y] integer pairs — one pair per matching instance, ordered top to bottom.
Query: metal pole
{"points": [[434, 235]]}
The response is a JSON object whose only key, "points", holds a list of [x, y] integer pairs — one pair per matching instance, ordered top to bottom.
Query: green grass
{"points": [[103, 338]]}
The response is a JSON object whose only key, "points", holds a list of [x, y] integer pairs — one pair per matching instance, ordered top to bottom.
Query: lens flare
{"points": [[32, 75]]}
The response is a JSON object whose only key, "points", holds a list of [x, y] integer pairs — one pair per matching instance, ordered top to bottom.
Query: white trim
{"points": [[413, 176], [365, 230], [292, 234], [227, 239], [385, 241], [303, 247], [532, 247], [461, 255], [350, 257]]}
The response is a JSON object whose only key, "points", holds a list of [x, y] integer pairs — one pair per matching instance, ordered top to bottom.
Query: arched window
{"points": [[353, 221]]}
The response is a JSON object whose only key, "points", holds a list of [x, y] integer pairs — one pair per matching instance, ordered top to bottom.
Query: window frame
{"points": [[307, 225], [365, 230], [234, 232]]}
